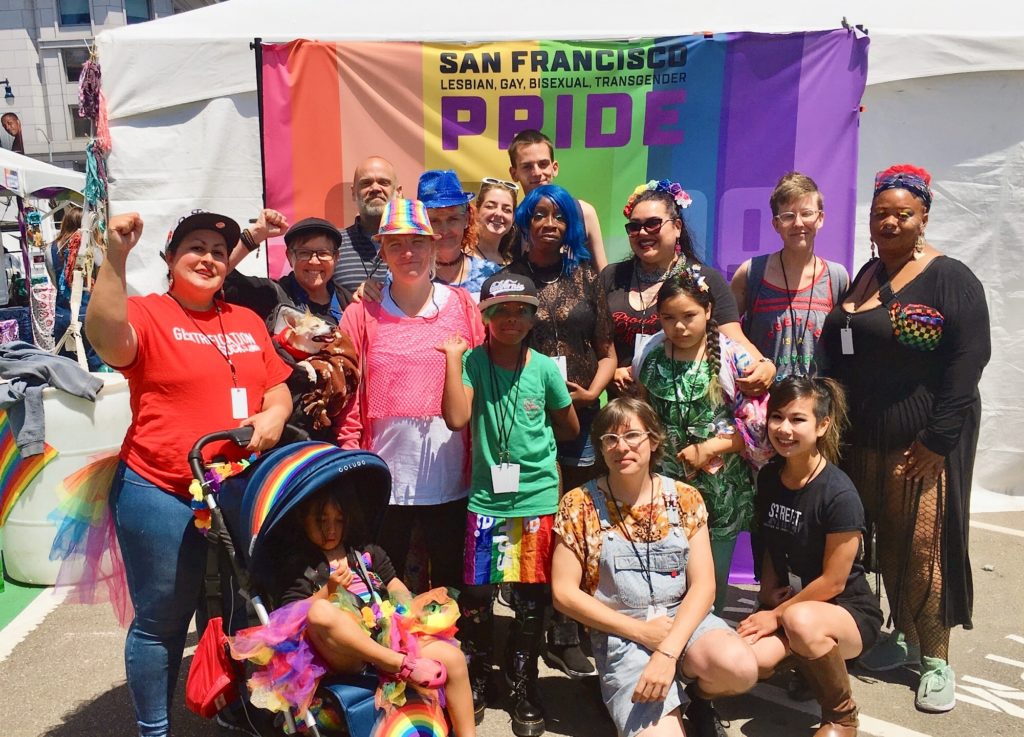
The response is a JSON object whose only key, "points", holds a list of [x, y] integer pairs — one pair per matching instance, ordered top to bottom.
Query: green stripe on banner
{"points": [[591, 140]]}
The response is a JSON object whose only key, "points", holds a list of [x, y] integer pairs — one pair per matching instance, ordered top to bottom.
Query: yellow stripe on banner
{"points": [[462, 91]]}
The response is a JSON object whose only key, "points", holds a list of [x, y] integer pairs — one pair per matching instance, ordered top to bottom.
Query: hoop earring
{"points": [[919, 246]]}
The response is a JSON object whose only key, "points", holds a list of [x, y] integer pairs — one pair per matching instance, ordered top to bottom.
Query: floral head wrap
{"points": [[906, 176]]}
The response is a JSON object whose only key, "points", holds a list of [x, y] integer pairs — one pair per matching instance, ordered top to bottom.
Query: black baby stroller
{"points": [[247, 519]]}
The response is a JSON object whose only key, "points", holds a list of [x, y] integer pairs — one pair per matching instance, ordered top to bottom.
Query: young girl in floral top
{"points": [[689, 372]]}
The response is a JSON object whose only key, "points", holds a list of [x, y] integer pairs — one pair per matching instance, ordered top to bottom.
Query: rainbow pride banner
{"points": [[725, 115], [16, 472]]}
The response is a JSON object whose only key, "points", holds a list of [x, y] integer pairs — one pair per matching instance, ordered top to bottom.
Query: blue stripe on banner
{"points": [[693, 162]]}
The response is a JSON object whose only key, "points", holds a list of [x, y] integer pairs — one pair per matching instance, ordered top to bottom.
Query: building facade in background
{"points": [[43, 45]]}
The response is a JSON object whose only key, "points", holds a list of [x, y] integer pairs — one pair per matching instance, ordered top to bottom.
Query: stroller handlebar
{"points": [[240, 436]]}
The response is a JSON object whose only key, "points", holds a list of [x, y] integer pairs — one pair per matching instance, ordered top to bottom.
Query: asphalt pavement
{"points": [[65, 677]]}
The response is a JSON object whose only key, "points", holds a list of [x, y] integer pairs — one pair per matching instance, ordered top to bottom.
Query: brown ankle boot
{"points": [[830, 682]]}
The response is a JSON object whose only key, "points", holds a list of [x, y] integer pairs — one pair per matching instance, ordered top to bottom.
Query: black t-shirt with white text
{"points": [[794, 524]]}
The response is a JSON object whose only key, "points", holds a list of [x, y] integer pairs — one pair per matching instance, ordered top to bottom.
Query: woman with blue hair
{"points": [[574, 327]]}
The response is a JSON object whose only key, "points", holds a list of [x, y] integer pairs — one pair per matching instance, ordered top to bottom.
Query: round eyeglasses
{"points": [[806, 216], [633, 439]]}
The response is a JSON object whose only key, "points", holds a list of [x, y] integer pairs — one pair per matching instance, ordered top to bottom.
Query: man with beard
{"points": [[373, 185]]}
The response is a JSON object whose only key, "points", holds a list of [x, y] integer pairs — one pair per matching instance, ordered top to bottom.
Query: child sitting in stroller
{"points": [[327, 578]]}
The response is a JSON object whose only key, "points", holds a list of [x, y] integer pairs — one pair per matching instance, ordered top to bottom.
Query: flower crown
{"points": [[682, 199], [692, 274]]}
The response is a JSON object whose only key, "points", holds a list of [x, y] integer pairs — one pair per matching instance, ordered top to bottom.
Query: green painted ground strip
{"points": [[14, 597]]}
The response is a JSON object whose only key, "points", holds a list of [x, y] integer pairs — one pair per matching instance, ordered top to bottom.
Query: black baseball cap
{"points": [[202, 220], [309, 226], [508, 287]]}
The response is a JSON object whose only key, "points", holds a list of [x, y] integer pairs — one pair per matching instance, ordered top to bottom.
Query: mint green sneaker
{"points": [[891, 653], [936, 693]]}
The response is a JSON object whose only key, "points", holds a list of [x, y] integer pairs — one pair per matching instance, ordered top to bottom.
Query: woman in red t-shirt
{"points": [[194, 365]]}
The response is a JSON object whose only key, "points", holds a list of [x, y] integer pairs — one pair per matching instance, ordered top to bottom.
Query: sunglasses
{"points": [[511, 186], [651, 225]]}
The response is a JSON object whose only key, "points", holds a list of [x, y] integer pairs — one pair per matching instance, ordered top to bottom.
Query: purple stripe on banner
{"points": [[762, 77], [790, 102], [827, 122]]}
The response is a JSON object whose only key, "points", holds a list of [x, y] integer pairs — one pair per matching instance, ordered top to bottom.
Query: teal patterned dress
{"points": [[678, 391]]}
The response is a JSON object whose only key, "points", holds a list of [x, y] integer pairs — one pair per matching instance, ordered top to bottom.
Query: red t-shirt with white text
{"points": [[180, 383]]}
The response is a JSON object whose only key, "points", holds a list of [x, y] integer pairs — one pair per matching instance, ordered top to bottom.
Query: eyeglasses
{"points": [[511, 186], [806, 216], [653, 226], [323, 255], [633, 438]]}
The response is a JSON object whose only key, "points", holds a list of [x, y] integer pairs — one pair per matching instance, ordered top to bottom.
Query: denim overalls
{"points": [[623, 586]]}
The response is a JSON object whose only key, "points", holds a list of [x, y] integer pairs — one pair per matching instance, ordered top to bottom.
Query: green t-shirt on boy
{"points": [[531, 441]]}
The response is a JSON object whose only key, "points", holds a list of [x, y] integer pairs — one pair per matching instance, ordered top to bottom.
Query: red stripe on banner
{"points": [[382, 96], [316, 106]]}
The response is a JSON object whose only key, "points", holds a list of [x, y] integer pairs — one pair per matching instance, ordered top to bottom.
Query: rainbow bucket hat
{"points": [[405, 217]]}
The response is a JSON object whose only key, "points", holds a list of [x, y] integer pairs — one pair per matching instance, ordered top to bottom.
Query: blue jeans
{"points": [[164, 557]]}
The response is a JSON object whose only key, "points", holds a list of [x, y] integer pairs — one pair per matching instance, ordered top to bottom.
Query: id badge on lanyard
{"points": [[846, 341], [640, 342], [563, 367], [239, 403], [505, 478], [653, 612]]}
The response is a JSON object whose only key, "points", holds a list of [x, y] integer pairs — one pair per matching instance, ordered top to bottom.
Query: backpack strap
{"points": [[755, 275], [838, 281]]}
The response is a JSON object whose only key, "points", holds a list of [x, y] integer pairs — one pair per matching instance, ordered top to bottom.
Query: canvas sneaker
{"points": [[891, 653], [936, 693]]}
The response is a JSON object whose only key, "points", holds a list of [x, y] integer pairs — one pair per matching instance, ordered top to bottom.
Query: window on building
{"points": [[137, 11], [73, 12], [74, 58], [80, 125]]}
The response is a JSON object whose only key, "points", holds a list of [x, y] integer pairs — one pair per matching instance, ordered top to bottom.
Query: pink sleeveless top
{"points": [[405, 371]]}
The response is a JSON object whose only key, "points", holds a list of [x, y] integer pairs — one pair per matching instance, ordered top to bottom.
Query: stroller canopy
{"points": [[285, 477]]}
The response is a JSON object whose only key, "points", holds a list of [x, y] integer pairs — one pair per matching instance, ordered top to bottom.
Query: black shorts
{"points": [[863, 607]]}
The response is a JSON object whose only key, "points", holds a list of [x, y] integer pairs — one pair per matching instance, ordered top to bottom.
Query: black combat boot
{"points": [[525, 639]]}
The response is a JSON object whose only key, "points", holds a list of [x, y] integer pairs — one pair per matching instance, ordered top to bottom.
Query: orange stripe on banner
{"points": [[381, 84], [316, 131]]}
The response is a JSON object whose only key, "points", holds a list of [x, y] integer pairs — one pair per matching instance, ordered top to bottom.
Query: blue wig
{"points": [[575, 241]]}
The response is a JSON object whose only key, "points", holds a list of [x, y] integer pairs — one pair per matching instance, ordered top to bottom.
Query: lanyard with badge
{"points": [[641, 338], [560, 360], [239, 396], [505, 474], [646, 573]]}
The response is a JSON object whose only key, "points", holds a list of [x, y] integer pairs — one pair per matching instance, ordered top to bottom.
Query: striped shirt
{"points": [[357, 259]]}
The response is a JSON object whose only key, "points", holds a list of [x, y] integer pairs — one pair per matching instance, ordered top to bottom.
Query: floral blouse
{"points": [[579, 526]]}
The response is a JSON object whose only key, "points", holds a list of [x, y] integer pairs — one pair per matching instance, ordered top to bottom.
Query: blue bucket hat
{"points": [[441, 188]]}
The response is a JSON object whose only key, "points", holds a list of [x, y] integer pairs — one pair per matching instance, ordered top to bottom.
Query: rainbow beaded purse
{"points": [[915, 326]]}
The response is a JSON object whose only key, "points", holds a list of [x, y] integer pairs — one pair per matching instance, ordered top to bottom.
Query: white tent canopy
{"points": [[945, 90], [24, 176]]}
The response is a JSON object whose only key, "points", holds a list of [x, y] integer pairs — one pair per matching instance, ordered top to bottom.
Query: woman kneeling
{"points": [[633, 563], [817, 603]]}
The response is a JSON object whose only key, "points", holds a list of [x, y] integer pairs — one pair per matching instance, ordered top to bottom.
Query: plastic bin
{"points": [[79, 430]]}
